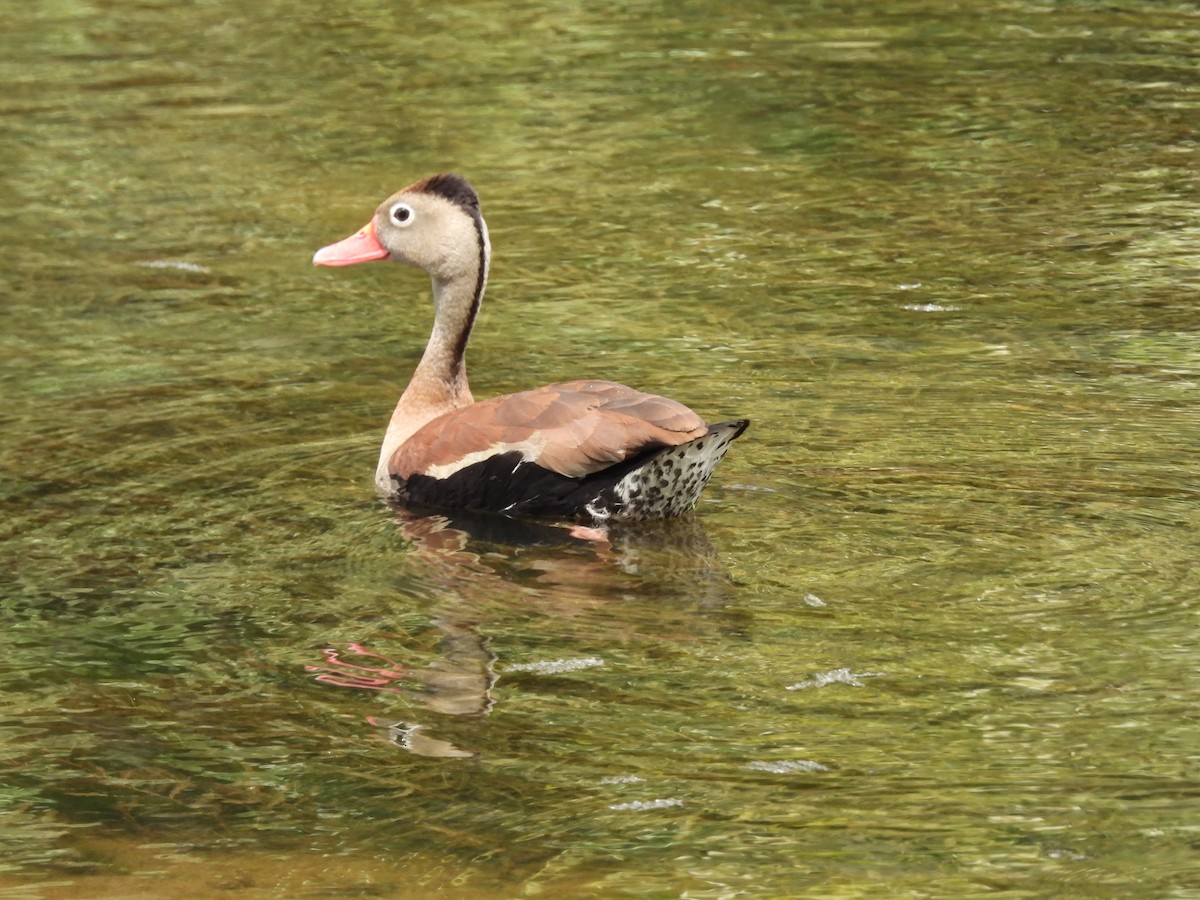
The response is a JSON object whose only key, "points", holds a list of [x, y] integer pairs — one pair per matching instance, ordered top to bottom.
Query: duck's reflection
{"points": [[536, 564]]}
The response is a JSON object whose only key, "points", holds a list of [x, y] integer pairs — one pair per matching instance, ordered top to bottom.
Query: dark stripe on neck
{"points": [[460, 346]]}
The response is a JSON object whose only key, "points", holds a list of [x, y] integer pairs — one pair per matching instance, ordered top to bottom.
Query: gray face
{"points": [[429, 232]]}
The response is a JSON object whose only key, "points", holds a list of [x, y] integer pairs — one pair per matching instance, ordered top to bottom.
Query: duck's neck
{"points": [[440, 382]]}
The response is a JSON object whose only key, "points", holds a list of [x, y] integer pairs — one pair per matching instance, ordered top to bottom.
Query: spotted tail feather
{"points": [[668, 483]]}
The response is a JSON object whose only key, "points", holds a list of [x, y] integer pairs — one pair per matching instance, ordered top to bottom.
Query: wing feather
{"points": [[575, 429]]}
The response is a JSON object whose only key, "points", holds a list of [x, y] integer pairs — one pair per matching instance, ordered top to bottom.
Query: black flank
{"points": [[507, 484]]}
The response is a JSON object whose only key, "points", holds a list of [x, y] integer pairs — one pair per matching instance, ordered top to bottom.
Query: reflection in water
{"points": [[467, 553], [670, 554], [458, 684], [459, 688], [412, 737]]}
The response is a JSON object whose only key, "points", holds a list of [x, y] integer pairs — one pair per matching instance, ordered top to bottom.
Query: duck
{"points": [[588, 451]]}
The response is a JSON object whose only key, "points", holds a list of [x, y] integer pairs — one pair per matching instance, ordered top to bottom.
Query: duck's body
{"points": [[588, 450]]}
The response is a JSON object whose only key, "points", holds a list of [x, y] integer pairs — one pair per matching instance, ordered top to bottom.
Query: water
{"points": [[932, 632]]}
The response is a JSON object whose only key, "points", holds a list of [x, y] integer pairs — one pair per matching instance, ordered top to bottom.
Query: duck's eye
{"points": [[402, 214]]}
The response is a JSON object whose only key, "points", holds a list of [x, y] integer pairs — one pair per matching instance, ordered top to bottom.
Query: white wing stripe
{"points": [[530, 450]]}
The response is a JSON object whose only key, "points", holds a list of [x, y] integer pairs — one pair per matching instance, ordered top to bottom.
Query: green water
{"points": [[933, 630]]}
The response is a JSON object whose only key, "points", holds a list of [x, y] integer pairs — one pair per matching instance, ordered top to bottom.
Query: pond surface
{"points": [[933, 629]]}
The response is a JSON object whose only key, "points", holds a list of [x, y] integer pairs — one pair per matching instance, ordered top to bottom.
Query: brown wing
{"points": [[575, 428]]}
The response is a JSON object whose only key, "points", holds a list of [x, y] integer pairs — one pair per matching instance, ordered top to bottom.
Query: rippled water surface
{"points": [[933, 630]]}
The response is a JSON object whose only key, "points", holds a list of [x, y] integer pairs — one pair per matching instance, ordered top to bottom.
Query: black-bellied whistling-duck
{"points": [[585, 450]]}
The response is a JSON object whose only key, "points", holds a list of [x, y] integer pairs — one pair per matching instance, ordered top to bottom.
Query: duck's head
{"points": [[435, 225]]}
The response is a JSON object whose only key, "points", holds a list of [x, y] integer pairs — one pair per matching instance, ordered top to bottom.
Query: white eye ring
{"points": [[402, 214]]}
